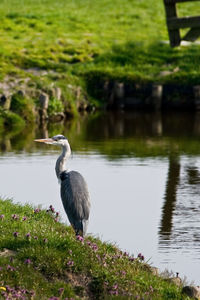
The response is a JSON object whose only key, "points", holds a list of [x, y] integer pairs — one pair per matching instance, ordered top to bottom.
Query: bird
{"points": [[73, 187]]}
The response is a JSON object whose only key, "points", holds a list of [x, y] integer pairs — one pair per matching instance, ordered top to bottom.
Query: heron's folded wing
{"points": [[75, 196]]}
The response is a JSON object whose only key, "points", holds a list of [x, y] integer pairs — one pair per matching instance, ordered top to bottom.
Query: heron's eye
{"points": [[59, 137], [55, 139]]}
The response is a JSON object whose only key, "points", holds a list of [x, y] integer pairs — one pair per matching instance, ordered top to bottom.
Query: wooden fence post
{"points": [[174, 24], [174, 34]]}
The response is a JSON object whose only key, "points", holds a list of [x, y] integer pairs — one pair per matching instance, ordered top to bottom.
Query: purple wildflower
{"points": [[51, 208], [37, 210], [57, 214], [2, 217], [15, 217], [24, 218], [15, 234], [28, 235], [35, 237], [80, 238], [45, 240], [94, 247], [140, 256], [98, 257], [131, 258], [27, 261], [70, 263], [10, 268], [123, 273], [115, 286], [8, 289], [151, 289], [61, 290], [23, 291], [113, 292]]}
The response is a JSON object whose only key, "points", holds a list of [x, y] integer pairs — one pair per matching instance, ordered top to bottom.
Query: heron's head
{"points": [[55, 140]]}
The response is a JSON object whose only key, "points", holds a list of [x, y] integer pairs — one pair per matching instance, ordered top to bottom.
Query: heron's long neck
{"points": [[61, 161]]}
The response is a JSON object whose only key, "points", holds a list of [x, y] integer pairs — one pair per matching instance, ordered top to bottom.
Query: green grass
{"points": [[125, 40], [77, 45], [45, 259]]}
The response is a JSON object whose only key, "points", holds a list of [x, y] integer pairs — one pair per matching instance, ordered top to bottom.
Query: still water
{"points": [[143, 173]]}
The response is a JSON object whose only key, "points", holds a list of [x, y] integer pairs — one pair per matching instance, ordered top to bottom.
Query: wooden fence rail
{"points": [[174, 24]]}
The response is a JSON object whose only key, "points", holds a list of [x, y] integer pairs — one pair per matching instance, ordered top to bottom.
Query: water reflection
{"points": [[146, 134], [137, 142], [170, 197]]}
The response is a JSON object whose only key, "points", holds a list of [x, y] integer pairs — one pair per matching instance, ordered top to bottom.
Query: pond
{"points": [[143, 173]]}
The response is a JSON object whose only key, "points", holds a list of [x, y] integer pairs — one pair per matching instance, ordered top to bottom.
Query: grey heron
{"points": [[74, 191]]}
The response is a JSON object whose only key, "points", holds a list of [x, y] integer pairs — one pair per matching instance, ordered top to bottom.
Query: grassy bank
{"points": [[76, 37], [74, 44], [40, 258]]}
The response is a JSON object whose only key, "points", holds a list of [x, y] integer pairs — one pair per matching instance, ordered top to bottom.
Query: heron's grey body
{"points": [[74, 191], [75, 199]]}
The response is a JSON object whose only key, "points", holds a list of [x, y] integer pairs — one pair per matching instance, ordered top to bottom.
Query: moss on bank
{"points": [[41, 258]]}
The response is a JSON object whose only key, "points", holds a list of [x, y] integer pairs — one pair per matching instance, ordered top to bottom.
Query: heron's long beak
{"points": [[46, 141]]}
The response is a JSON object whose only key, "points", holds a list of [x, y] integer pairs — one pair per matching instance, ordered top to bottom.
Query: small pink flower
{"points": [[51, 208], [37, 210], [2, 217], [15, 217], [24, 218], [15, 234], [28, 235], [80, 238], [45, 240], [94, 247], [140, 256], [131, 258], [27, 261], [70, 263], [10, 268], [123, 273], [151, 289], [61, 290]]}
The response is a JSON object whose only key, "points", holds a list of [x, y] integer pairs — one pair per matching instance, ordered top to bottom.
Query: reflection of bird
{"points": [[74, 191]]}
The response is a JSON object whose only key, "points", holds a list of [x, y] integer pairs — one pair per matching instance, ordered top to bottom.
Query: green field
{"points": [[126, 39], [76, 45]]}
